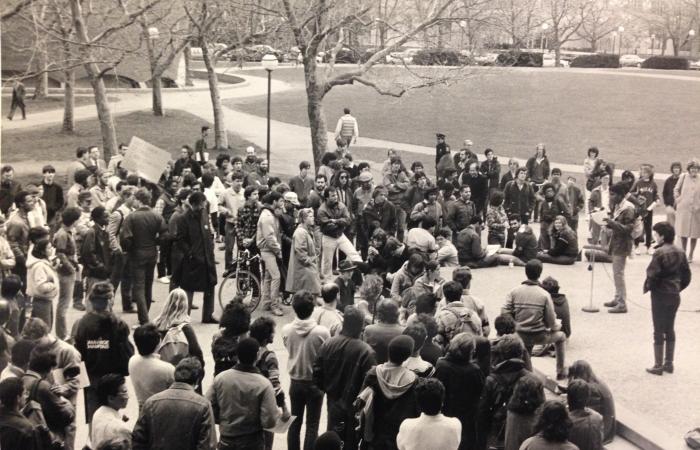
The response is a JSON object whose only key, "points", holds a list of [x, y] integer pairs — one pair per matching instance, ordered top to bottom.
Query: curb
{"points": [[632, 427]]}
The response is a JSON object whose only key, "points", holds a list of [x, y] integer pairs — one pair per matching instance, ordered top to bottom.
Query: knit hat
{"points": [[400, 348], [328, 441]]}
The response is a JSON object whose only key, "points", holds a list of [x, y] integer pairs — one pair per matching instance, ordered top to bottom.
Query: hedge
{"points": [[436, 57], [520, 59], [596, 61], [666, 63]]}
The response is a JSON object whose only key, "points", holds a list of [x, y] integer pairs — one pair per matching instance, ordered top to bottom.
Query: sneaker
{"points": [[637, 251], [164, 280], [610, 304], [79, 306], [619, 309], [277, 311]]}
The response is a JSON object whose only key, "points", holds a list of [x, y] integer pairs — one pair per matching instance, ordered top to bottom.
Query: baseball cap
{"points": [[292, 198]]}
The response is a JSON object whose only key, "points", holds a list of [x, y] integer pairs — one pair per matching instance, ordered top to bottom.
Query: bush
{"points": [[436, 57], [519, 59], [597, 61], [666, 63]]}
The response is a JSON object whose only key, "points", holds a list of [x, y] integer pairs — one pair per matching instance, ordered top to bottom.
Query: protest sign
{"points": [[145, 159]]}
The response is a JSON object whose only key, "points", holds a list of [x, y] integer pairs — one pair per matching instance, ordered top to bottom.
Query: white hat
{"points": [[468, 142], [250, 149], [292, 198]]}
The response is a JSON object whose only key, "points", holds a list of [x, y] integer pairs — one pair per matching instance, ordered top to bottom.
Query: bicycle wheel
{"points": [[246, 285]]}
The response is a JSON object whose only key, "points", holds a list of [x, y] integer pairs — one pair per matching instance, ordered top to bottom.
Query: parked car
{"points": [[256, 53], [405, 56], [487, 59], [548, 61], [631, 61], [694, 65]]}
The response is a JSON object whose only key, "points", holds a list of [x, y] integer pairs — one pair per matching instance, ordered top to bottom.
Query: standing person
{"points": [[18, 93], [347, 128], [441, 149], [201, 155], [116, 160], [81, 162], [589, 162], [95, 163], [491, 168], [538, 174], [511, 175], [80, 182], [396, 183], [302, 184], [479, 185], [9, 188], [646, 191], [101, 192], [667, 192], [53, 193], [687, 195], [519, 196], [599, 200], [230, 201], [576, 202], [165, 206], [378, 213], [334, 218], [496, 219], [621, 223], [18, 233], [140, 235], [195, 241], [268, 241], [94, 253], [67, 254], [303, 264], [121, 274], [667, 275], [42, 281], [533, 311], [327, 315], [456, 317], [234, 326], [384, 328], [178, 339], [303, 339], [103, 342], [339, 370], [148, 373], [463, 383], [394, 396], [528, 396], [243, 402], [190, 419], [107, 423], [552, 428], [587, 429], [15, 430], [432, 430]]}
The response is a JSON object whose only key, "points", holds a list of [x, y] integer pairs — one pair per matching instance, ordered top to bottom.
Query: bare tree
{"points": [[517, 18], [565, 18], [602, 19]]}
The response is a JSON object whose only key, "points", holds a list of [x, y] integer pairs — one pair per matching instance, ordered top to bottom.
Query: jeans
{"points": [[14, 106], [229, 243], [330, 244], [164, 262], [618, 267], [122, 274], [142, 275], [271, 280], [66, 283], [42, 308], [663, 316], [558, 338], [304, 395], [341, 421], [254, 441]]}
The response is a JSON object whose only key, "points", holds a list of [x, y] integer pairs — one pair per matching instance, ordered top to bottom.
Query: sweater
{"points": [[531, 307], [303, 339], [429, 433]]}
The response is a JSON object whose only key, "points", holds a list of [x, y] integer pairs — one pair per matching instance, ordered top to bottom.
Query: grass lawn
{"points": [[45, 104], [631, 119]]}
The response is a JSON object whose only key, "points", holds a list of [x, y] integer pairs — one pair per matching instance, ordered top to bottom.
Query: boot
{"points": [[611, 304], [658, 359], [668, 363]]}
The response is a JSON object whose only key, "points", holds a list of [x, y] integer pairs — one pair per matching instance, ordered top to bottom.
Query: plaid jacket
{"points": [[247, 222]]}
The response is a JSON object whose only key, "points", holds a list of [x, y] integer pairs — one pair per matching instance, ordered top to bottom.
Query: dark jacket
{"points": [[531, 166], [492, 171], [508, 176], [479, 186], [8, 190], [667, 192], [53, 197], [574, 197], [518, 201], [558, 207], [459, 213], [375, 216], [333, 219], [622, 224], [141, 233], [194, 242], [468, 243], [565, 243], [525, 246], [95, 253], [668, 272], [561, 310], [103, 341], [341, 367], [463, 381], [498, 389], [58, 411], [190, 424], [16, 431]]}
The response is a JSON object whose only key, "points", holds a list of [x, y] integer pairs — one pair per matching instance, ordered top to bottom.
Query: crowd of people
{"points": [[405, 358]]}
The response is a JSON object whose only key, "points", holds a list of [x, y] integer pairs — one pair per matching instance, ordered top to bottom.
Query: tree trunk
{"points": [[594, 44], [557, 49], [188, 60], [41, 88], [157, 94], [69, 102], [317, 124], [220, 136]]}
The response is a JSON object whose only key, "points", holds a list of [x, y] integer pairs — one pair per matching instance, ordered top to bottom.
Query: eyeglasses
{"points": [[343, 178]]}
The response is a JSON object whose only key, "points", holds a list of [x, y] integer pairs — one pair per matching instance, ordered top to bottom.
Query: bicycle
{"points": [[242, 282]]}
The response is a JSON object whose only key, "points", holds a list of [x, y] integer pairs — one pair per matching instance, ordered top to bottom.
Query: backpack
{"points": [[465, 323], [174, 345], [224, 349], [44, 438]]}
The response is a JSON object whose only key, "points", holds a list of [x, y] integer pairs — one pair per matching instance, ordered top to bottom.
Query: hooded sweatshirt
{"points": [[42, 280], [303, 340]]}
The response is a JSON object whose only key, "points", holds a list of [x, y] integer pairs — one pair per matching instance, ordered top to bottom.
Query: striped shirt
{"points": [[347, 127]]}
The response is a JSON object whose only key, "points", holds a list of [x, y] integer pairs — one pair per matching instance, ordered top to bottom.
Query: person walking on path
{"points": [[18, 93], [347, 128], [687, 195], [621, 223], [140, 235], [667, 275], [190, 419]]}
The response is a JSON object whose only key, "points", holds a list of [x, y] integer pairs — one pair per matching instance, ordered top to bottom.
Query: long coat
{"points": [[687, 193], [193, 251], [303, 263]]}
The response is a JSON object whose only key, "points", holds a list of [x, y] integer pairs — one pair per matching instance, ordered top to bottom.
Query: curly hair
{"points": [[371, 287], [235, 319], [528, 395], [554, 423]]}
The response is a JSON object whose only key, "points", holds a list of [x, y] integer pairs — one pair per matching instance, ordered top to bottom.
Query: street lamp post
{"points": [[462, 26], [545, 27], [620, 29], [691, 34], [653, 38], [269, 63]]}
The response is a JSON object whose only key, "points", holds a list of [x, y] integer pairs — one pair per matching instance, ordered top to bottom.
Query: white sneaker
{"points": [[637, 251], [164, 280]]}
